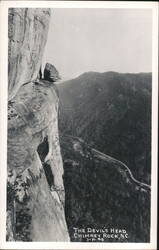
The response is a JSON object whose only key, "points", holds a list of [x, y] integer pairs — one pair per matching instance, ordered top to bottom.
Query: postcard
{"points": [[79, 94]]}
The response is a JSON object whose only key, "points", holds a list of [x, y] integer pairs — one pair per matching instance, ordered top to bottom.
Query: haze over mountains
{"points": [[112, 112]]}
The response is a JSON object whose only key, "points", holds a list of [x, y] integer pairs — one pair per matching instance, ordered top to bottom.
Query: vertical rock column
{"points": [[27, 33], [35, 211]]}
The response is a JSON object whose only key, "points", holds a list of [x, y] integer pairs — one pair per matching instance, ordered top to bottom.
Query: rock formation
{"points": [[27, 33], [51, 73], [35, 201]]}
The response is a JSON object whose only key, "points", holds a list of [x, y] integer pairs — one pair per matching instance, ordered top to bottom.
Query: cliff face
{"points": [[27, 33], [35, 201]]}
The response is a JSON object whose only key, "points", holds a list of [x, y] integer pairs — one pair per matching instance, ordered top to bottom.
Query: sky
{"points": [[82, 40]]}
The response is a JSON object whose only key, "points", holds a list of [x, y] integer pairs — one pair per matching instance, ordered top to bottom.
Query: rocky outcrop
{"points": [[27, 33], [51, 73], [35, 190], [102, 196], [36, 204]]}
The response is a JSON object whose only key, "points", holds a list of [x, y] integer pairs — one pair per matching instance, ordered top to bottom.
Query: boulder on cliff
{"points": [[51, 74]]}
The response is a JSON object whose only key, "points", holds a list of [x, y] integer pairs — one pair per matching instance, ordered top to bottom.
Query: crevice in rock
{"points": [[43, 150]]}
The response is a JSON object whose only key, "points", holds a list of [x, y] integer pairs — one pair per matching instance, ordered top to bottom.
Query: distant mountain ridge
{"points": [[112, 112]]}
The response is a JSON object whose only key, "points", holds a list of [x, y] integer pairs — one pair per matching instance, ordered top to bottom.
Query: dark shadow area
{"points": [[43, 150]]}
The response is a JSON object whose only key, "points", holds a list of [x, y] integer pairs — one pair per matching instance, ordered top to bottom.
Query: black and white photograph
{"points": [[81, 99]]}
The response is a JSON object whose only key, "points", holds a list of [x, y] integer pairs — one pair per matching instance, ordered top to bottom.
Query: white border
{"points": [[4, 5]]}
